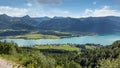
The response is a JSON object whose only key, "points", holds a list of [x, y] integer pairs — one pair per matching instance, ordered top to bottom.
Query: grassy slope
{"points": [[24, 34], [37, 36], [60, 47], [89, 47], [18, 58], [22, 58], [9, 64]]}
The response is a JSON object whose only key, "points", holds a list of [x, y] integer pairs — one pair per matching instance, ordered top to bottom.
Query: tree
{"points": [[8, 48], [109, 63]]}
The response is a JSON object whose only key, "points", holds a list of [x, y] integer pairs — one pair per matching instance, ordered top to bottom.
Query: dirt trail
{"points": [[8, 64]]}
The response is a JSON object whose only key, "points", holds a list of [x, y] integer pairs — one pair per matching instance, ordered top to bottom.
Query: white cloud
{"points": [[29, 4], [11, 11], [105, 11], [34, 12], [50, 12], [58, 12], [62, 13]]}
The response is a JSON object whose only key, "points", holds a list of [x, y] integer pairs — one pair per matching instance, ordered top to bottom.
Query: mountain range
{"points": [[108, 24]]}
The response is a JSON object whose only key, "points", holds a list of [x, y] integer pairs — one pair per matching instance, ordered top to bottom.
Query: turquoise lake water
{"points": [[103, 40]]}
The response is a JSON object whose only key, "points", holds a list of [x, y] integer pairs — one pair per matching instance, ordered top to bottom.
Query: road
{"points": [[8, 64]]}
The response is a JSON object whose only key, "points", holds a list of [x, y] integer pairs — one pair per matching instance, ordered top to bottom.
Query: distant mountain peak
{"points": [[5, 15], [26, 16], [46, 17], [56, 17]]}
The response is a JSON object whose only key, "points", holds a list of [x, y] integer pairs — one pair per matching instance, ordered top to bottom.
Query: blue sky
{"points": [[64, 8]]}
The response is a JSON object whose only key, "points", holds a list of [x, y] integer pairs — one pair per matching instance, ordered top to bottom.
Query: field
{"points": [[24, 34], [37, 36], [58, 47]]}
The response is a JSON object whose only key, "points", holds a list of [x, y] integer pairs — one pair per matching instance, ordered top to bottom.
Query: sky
{"points": [[61, 8]]}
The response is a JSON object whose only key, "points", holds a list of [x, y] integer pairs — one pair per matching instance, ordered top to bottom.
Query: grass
{"points": [[62, 32], [37, 36], [59, 47], [89, 47], [15, 58], [21, 58]]}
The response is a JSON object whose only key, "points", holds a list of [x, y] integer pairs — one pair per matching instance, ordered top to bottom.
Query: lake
{"points": [[103, 40]]}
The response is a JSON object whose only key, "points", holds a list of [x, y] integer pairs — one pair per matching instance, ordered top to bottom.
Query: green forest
{"points": [[62, 56]]}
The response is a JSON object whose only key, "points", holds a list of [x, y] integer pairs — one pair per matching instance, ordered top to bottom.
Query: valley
{"points": [[89, 25], [59, 33], [28, 34], [60, 42]]}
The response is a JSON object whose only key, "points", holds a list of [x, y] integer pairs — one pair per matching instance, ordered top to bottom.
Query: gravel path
{"points": [[8, 64]]}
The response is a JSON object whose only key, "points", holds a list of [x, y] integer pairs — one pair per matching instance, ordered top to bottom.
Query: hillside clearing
{"points": [[8, 64]]}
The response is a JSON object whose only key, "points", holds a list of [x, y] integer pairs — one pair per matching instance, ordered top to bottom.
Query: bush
{"points": [[8, 48]]}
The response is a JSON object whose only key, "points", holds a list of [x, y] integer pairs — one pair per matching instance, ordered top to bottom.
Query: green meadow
{"points": [[37, 36], [58, 47]]}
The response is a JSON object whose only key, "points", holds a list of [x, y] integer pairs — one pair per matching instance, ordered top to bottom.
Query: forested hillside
{"points": [[63, 56]]}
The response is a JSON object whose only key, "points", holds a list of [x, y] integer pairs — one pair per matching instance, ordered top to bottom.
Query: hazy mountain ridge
{"points": [[16, 23], [91, 24], [109, 24]]}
